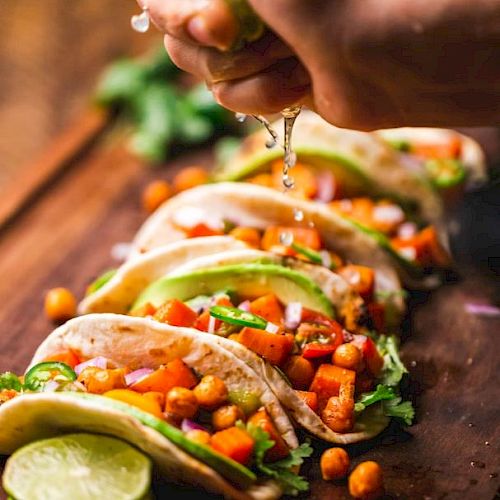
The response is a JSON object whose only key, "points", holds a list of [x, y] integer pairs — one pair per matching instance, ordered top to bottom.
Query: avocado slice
{"points": [[250, 280], [100, 281], [228, 468]]}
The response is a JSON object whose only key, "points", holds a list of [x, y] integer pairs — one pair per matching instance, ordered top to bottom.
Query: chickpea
{"points": [[190, 177], [154, 194], [248, 235], [60, 304], [348, 356], [99, 380], [211, 392], [181, 402], [338, 414], [226, 416], [198, 436], [334, 464], [366, 481]]}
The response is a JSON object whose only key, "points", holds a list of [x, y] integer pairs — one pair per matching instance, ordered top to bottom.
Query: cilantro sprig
{"points": [[393, 369]]}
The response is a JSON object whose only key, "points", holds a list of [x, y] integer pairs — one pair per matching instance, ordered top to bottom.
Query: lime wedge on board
{"points": [[80, 467]]}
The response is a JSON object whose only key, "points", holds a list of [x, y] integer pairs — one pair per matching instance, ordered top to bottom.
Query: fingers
{"points": [[206, 22], [214, 66], [283, 85]]}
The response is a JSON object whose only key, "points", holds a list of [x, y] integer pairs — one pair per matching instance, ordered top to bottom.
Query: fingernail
{"points": [[197, 29]]}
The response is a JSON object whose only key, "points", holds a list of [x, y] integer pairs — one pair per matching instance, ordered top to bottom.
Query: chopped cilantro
{"points": [[393, 369], [10, 381], [382, 393], [397, 409]]}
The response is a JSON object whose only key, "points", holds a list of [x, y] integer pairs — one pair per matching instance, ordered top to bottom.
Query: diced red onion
{"points": [[411, 162], [327, 186], [390, 214], [407, 230], [121, 251], [409, 253], [326, 258], [245, 306], [486, 310], [293, 315], [211, 324], [272, 328], [359, 341], [98, 362], [136, 375], [51, 386], [188, 425]]}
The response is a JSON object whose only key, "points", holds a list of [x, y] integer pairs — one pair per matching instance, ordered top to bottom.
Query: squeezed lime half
{"points": [[79, 467]]}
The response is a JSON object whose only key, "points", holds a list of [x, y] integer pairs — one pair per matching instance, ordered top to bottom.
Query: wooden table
{"points": [[63, 237]]}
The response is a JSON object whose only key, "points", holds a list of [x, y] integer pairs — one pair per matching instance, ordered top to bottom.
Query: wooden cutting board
{"points": [[62, 235]]}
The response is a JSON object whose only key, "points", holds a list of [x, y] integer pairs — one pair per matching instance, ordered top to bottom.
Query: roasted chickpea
{"points": [[190, 177], [154, 194], [248, 235], [60, 304], [348, 356], [99, 380], [211, 392], [181, 402], [338, 414], [226, 416], [198, 436], [334, 464], [366, 481]]}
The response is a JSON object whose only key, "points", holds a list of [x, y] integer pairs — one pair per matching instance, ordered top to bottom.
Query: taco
{"points": [[286, 319], [199, 412]]}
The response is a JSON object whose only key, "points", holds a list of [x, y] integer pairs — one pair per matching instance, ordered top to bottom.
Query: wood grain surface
{"points": [[65, 236]]}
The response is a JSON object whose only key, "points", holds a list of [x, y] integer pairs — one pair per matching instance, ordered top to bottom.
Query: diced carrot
{"points": [[450, 149], [190, 177], [262, 180], [305, 180], [200, 230], [248, 235], [306, 236], [424, 247], [361, 279], [268, 307], [147, 309], [376, 311], [176, 313], [203, 320], [273, 347], [68, 357], [373, 359], [300, 372], [174, 374], [328, 380], [309, 398], [138, 400], [234, 443], [280, 449]]}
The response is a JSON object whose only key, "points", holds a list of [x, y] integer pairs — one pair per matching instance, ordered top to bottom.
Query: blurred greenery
{"points": [[149, 93]]}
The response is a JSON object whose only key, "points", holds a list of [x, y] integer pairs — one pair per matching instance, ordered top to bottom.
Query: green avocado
{"points": [[247, 280], [228, 468]]}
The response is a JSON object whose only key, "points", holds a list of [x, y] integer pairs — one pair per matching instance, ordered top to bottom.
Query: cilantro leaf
{"points": [[393, 369], [9, 380], [382, 393], [403, 411], [280, 471]]}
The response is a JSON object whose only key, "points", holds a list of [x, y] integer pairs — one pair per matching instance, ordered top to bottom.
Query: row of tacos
{"points": [[244, 314]]}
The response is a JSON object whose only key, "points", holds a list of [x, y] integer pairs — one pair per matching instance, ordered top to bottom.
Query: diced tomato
{"points": [[449, 149], [305, 180], [199, 230], [306, 236], [424, 247], [361, 279], [268, 307], [147, 309], [176, 313], [377, 314], [203, 321], [317, 326], [273, 347], [314, 350], [68, 357], [373, 359], [300, 372], [174, 374], [328, 380], [309, 398], [234, 443], [280, 449]]}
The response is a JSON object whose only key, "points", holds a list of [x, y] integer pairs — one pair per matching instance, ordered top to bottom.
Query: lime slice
{"points": [[77, 466]]}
